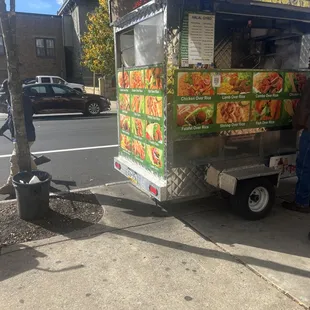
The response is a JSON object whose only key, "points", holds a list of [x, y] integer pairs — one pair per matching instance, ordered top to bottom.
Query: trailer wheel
{"points": [[254, 198]]}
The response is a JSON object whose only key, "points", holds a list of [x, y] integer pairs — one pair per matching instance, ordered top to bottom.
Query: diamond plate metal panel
{"points": [[304, 52], [222, 53], [187, 182]]}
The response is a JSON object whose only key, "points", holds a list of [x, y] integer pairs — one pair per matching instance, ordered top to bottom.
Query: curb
{"points": [[74, 190]]}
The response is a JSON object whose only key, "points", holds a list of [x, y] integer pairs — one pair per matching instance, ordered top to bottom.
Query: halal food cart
{"points": [[206, 94]]}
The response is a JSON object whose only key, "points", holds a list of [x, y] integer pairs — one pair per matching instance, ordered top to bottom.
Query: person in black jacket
{"points": [[8, 189]]}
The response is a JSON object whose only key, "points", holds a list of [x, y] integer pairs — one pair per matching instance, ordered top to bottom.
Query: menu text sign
{"points": [[201, 38]]}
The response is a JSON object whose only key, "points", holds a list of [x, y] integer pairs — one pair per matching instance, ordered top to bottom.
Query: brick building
{"points": [[40, 41]]}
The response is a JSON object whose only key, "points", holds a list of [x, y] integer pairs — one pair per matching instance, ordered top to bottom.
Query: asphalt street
{"points": [[81, 149]]}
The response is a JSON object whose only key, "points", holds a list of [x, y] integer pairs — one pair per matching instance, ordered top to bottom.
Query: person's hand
{"points": [[1, 132]]}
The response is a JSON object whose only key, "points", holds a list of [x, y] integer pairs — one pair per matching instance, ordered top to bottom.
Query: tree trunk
{"points": [[8, 24]]}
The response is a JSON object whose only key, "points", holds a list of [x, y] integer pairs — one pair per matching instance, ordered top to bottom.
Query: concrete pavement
{"points": [[142, 257]]}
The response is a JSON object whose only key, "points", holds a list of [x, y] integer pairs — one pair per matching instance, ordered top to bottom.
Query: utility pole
{"points": [[8, 25]]}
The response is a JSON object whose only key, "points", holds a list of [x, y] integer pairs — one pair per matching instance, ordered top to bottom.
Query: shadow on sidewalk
{"points": [[133, 207], [280, 225], [282, 231], [210, 253], [26, 259], [18, 262]]}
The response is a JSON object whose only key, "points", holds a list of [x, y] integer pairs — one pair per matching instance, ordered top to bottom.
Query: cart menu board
{"points": [[201, 29], [197, 39], [140, 94], [216, 101]]}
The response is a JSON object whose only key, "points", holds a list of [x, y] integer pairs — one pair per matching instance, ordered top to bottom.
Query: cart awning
{"points": [[298, 5], [259, 8], [141, 13]]}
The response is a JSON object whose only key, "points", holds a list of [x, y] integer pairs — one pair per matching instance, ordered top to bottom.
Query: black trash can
{"points": [[32, 199]]}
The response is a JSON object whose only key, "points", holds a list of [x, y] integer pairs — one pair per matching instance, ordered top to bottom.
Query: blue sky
{"points": [[38, 6]]}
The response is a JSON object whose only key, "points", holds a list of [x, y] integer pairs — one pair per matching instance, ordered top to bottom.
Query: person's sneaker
{"points": [[7, 189], [293, 206]]}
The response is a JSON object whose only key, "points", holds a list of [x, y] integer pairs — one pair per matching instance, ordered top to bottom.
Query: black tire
{"points": [[93, 109], [247, 193]]}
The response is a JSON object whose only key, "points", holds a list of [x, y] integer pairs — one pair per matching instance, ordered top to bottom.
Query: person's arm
{"points": [[3, 103], [7, 123], [5, 127]]}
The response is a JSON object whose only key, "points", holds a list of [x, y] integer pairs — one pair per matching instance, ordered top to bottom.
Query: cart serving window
{"points": [[143, 44], [206, 92]]}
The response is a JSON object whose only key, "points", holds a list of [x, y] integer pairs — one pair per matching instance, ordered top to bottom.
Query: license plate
{"points": [[132, 176]]}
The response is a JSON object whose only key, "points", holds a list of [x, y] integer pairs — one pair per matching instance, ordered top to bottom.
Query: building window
{"points": [[45, 47], [2, 51]]}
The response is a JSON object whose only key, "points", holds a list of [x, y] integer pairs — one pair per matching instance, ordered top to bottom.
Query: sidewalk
{"points": [[139, 256]]}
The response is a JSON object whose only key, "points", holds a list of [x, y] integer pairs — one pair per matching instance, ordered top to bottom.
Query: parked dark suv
{"points": [[61, 98]]}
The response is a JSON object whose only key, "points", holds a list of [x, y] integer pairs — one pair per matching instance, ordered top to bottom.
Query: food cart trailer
{"points": [[206, 94]]}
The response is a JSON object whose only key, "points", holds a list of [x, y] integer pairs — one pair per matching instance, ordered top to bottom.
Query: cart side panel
{"points": [[140, 119]]}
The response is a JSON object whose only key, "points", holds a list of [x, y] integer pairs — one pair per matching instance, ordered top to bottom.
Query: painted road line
{"points": [[37, 117], [70, 150]]}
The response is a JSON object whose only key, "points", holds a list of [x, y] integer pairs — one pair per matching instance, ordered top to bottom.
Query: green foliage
{"points": [[98, 42]]}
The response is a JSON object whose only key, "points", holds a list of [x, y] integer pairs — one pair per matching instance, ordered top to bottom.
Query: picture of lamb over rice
{"points": [[267, 83]]}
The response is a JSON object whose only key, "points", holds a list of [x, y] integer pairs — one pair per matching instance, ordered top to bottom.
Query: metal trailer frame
{"points": [[185, 177]]}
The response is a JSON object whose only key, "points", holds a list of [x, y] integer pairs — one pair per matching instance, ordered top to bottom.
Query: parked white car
{"points": [[48, 79]]}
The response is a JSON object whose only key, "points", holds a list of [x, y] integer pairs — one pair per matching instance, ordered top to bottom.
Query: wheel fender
{"points": [[229, 180]]}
